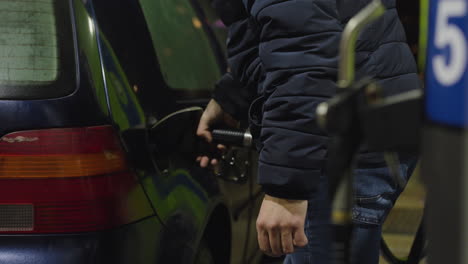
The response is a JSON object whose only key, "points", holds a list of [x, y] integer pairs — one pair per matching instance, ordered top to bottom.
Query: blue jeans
{"points": [[375, 193]]}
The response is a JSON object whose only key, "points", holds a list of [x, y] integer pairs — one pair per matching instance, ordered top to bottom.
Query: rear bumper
{"points": [[135, 243]]}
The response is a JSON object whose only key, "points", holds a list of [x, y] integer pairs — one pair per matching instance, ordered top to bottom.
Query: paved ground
{"points": [[403, 221]]}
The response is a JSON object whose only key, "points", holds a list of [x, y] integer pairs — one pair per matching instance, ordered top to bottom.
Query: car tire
{"points": [[204, 254]]}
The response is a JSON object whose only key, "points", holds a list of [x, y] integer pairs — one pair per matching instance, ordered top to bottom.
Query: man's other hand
{"points": [[212, 115], [280, 225]]}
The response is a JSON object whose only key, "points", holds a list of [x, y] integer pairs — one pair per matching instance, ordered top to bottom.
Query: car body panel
{"points": [[180, 199], [133, 243]]}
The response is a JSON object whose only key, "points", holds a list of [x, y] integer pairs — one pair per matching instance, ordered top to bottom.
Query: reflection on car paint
{"points": [[88, 44], [129, 113], [176, 190]]}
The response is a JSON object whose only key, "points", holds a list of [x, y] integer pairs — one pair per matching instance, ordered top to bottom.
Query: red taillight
{"points": [[63, 180]]}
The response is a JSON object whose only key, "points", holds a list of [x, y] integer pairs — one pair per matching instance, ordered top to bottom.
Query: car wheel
{"points": [[204, 255]]}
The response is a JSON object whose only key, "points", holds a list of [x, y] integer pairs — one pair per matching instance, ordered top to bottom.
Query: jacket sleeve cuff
{"points": [[232, 96], [222, 97], [288, 183]]}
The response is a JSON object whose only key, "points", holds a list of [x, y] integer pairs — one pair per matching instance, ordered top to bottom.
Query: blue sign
{"points": [[446, 75]]}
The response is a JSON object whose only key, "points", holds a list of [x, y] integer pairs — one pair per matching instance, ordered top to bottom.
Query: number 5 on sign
{"points": [[447, 57], [450, 65]]}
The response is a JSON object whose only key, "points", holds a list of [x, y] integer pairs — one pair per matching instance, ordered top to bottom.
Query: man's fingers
{"points": [[203, 129], [206, 134], [221, 147], [204, 162], [283, 220], [299, 238], [275, 241], [287, 241], [263, 242]]}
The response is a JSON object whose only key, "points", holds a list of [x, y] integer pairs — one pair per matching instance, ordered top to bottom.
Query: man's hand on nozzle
{"points": [[212, 115], [280, 225]]}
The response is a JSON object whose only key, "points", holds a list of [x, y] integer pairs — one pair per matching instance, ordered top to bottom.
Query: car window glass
{"points": [[214, 22], [28, 42], [36, 49], [184, 51], [129, 57]]}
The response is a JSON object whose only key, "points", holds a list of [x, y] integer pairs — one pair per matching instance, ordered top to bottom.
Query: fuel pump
{"points": [[445, 132]]}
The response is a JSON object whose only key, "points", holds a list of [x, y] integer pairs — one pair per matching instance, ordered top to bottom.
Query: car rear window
{"points": [[34, 35]]}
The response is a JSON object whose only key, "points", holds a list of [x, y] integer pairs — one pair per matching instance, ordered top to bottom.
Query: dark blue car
{"points": [[99, 101]]}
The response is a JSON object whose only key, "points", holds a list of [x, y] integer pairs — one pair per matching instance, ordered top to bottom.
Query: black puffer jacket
{"points": [[296, 67], [237, 89]]}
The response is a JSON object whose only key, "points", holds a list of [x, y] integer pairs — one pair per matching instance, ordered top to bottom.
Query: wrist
{"points": [[285, 193], [281, 200]]}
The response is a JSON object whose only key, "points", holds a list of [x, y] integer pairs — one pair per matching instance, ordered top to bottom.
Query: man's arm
{"points": [[299, 51], [236, 90], [233, 97]]}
